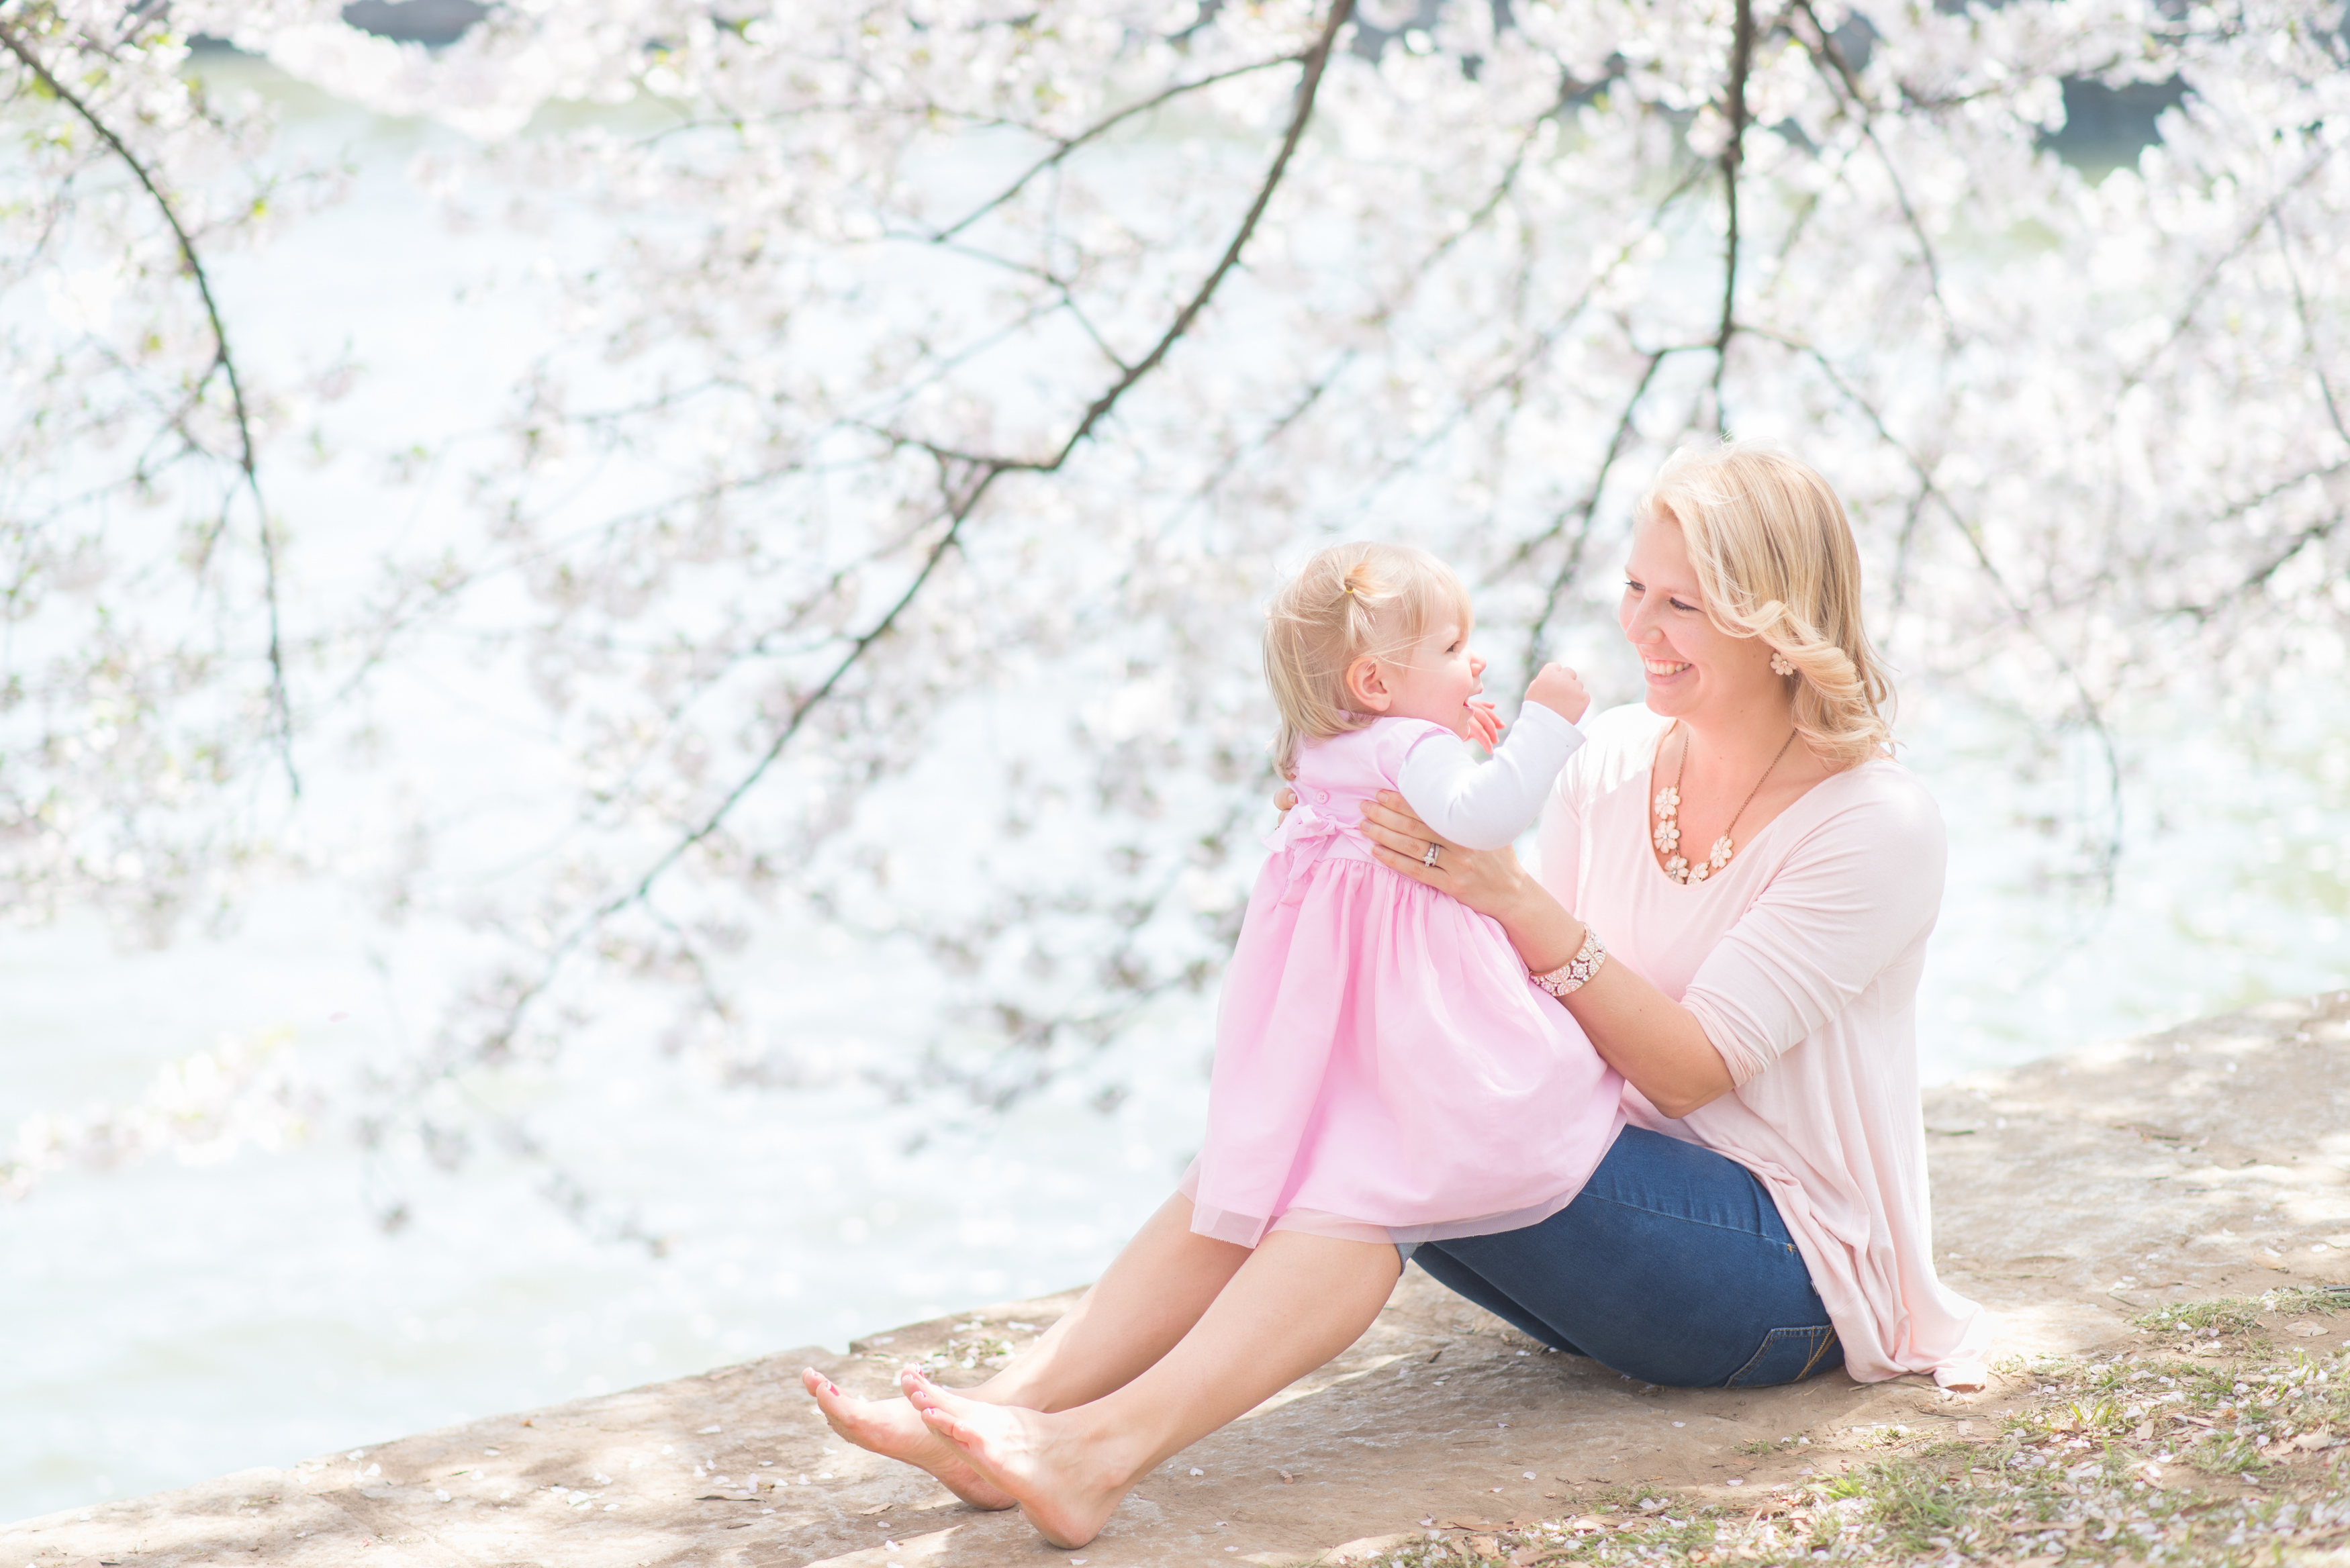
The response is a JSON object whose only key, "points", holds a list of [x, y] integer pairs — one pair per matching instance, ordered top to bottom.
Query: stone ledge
{"points": [[2210, 1160]]}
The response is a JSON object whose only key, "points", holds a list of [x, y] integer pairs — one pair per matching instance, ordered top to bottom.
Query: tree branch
{"points": [[1827, 57], [1316, 60], [1102, 127], [1733, 151], [2210, 278], [2308, 328], [1539, 345], [223, 362], [964, 480], [1584, 513], [2299, 540], [2091, 711]]}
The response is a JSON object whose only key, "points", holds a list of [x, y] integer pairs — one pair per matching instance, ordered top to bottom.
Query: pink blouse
{"points": [[1800, 958]]}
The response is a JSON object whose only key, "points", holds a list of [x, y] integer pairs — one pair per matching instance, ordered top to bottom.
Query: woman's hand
{"points": [[1489, 881], [1656, 1043]]}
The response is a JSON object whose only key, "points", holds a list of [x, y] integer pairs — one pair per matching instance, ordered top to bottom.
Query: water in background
{"points": [[170, 1322]]}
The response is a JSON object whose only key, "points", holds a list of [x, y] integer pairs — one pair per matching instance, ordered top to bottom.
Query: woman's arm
{"points": [[1655, 1042]]}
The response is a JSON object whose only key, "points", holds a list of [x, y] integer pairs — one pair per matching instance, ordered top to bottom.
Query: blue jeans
{"points": [[1671, 1265]]}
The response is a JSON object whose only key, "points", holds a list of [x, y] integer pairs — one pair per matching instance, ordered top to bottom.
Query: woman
{"points": [[1764, 1215], [1763, 1218]]}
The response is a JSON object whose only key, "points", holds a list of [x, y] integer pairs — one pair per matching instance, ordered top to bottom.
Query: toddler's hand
{"points": [[1560, 689], [1484, 726]]}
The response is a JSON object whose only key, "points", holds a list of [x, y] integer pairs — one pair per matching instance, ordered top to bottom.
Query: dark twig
{"points": [[1828, 54], [1316, 60], [1100, 127], [1733, 152], [1477, 219], [2210, 278], [2308, 327], [1537, 345], [223, 362], [964, 480], [1583, 513], [2310, 533], [2300, 539], [2294, 543], [1901, 552], [2091, 711]]}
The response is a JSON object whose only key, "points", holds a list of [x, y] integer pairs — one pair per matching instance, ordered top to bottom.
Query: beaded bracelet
{"points": [[1576, 972]]}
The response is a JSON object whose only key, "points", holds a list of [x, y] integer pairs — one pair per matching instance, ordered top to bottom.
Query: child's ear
{"points": [[1368, 693]]}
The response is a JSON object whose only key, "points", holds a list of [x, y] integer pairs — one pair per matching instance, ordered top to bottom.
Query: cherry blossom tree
{"points": [[892, 511], [146, 684]]}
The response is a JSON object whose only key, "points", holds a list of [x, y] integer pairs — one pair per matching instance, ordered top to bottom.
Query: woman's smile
{"points": [[1665, 669]]}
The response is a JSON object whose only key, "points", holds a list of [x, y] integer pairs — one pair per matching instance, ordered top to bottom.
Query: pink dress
{"points": [[1385, 1070]]}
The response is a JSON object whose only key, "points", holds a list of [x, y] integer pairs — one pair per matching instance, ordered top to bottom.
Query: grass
{"points": [[2209, 1444], [1759, 1446]]}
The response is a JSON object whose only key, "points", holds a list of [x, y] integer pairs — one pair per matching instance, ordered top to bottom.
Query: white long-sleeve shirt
{"points": [[1485, 805]]}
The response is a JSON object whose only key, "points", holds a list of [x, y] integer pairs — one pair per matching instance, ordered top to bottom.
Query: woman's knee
{"points": [[1439, 1262]]}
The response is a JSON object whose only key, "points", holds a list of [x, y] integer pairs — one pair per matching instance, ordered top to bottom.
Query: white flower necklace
{"points": [[1668, 828]]}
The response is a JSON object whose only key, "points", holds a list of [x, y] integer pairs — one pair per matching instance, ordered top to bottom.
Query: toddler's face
{"points": [[1444, 673]]}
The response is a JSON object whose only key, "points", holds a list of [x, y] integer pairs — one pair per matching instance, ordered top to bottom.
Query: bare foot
{"points": [[894, 1429], [1067, 1488]]}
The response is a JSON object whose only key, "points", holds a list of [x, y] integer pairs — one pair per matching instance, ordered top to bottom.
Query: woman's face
{"points": [[1694, 670]]}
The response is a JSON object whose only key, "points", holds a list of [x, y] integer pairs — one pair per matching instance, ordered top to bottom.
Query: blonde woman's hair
{"points": [[1775, 560], [1349, 600]]}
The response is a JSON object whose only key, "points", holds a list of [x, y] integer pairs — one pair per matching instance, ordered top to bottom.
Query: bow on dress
{"points": [[1308, 837]]}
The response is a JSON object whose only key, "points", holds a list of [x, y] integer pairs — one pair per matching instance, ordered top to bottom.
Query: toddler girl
{"points": [[1384, 1071]]}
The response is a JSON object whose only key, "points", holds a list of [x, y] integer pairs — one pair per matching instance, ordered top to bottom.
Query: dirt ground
{"points": [[2071, 1196]]}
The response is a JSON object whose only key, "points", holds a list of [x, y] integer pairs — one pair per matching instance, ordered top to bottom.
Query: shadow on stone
{"points": [[2070, 1195]]}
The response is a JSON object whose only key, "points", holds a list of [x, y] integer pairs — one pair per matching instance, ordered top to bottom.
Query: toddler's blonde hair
{"points": [[1775, 560], [1349, 600]]}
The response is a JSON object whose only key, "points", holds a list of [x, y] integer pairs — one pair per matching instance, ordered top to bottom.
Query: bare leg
{"points": [[1152, 1293], [1151, 1296], [1297, 1301]]}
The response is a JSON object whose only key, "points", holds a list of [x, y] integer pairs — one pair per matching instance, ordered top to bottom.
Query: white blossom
{"points": [[961, 376]]}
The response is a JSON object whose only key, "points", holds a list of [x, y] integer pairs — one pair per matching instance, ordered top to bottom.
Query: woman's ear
{"points": [[1365, 689]]}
